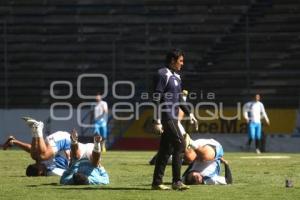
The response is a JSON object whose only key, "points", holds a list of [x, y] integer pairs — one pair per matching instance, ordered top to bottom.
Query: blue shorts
{"points": [[100, 128], [254, 131]]}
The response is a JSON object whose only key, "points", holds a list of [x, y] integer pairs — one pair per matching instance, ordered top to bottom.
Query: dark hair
{"points": [[173, 54], [32, 170], [80, 179], [190, 180]]}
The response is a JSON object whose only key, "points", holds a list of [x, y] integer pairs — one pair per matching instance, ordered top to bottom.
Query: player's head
{"points": [[174, 59], [98, 97], [257, 97], [36, 170], [194, 178], [80, 179]]}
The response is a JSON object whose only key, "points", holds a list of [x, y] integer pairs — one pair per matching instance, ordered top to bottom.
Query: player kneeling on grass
{"points": [[51, 155], [205, 156], [85, 168]]}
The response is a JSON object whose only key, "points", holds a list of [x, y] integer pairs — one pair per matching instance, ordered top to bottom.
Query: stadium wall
{"points": [[284, 123], [283, 135]]}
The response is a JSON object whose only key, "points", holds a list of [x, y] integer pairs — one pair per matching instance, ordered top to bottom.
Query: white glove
{"points": [[193, 120], [157, 127]]}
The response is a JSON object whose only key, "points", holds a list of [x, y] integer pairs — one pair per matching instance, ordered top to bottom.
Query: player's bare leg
{"points": [[12, 141], [8, 143], [39, 149], [75, 151], [96, 154]]}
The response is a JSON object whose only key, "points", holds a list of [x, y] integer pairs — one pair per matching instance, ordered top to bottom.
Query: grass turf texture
{"points": [[130, 176]]}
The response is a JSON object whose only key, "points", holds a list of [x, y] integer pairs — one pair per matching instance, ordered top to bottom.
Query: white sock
{"points": [[38, 130], [36, 133], [40, 133], [97, 147]]}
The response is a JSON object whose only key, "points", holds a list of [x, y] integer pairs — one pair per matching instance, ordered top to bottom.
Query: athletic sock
{"points": [[37, 133], [34, 134]]}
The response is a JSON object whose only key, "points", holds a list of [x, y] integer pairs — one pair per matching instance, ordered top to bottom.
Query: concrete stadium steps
{"points": [[121, 38]]}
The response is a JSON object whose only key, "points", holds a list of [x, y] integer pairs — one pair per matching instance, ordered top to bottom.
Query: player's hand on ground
{"points": [[194, 121]]}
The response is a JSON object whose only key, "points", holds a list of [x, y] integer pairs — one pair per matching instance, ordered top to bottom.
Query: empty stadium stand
{"points": [[234, 48]]}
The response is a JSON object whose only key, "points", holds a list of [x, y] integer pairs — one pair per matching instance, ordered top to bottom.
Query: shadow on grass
{"points": [[44, 184], [149, 185], [72, 187], [105, 188]]}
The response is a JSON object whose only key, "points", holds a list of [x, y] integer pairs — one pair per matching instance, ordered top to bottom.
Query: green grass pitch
{"points": [[130, 175]]}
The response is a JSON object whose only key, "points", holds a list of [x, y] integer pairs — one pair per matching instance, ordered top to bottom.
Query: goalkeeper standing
{"points": [[168, 98]]}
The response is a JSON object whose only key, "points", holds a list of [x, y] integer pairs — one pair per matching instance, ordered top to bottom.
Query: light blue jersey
{"points": [[95, 175]]}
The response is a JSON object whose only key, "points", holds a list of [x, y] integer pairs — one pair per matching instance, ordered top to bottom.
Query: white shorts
{"points": [[59, 141], [86, 150]]}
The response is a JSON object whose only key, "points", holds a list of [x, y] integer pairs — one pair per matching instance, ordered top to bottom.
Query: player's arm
{"points": [[160, 82], [184, 105], [105, 107], [185, 108], [245, 112], [92, 114], [264, 114], [24, 146], [228, 175]]}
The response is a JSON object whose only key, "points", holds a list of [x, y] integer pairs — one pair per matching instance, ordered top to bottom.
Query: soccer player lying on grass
{"points": [[51, 155], [205, 156], [85, 168], [207, 172]]}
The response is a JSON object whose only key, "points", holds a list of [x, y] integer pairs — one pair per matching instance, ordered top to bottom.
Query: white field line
{"points": [[265, 157]]}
